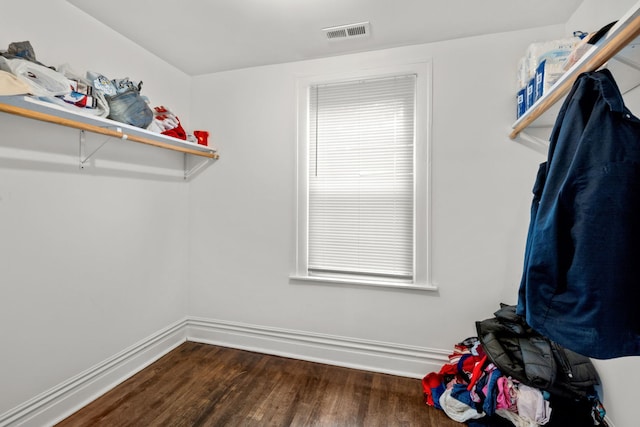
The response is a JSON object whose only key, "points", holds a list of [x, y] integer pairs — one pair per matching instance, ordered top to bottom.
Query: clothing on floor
{"points": [[472, 388]]}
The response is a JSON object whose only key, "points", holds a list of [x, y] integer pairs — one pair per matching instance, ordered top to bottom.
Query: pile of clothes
{"points": [[116, 99], [511, 376]]}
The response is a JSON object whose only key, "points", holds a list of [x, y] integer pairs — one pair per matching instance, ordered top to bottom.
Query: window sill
{"points": [[372, 283]]}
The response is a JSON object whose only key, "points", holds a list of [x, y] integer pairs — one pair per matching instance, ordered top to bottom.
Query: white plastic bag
{"points": [[43, 81]]}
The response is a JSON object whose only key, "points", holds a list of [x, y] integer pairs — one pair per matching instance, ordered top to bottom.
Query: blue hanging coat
{"points": [[581, 280]]}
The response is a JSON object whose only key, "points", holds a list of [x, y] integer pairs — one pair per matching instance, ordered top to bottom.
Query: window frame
{"points": [[422, 179]]}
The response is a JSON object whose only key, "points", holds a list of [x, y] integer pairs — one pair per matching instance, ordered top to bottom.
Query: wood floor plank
{"points": [[204, 385]]}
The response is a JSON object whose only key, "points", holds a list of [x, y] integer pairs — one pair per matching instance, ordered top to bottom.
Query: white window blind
{"points": [[361, 178]]}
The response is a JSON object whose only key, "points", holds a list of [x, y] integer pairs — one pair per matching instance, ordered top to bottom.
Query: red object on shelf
{"points": [[202, 136]]}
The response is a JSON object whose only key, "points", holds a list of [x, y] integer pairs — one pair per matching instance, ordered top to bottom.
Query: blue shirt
{"points": [[581, 279]]}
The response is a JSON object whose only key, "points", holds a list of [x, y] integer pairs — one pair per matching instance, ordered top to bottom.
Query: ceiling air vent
{"points": [[350, 31]]}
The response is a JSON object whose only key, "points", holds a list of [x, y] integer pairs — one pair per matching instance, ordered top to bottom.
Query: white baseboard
{"points": [[395, 359], [55, 404]]}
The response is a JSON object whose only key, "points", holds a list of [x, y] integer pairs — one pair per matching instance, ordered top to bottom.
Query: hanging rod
{"points": [[619, 36], [115, 133]]}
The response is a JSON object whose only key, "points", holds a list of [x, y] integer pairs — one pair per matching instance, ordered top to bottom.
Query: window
{"points": [[362, 179]]}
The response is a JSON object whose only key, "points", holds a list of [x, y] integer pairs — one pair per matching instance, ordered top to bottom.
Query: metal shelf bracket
{"points": [[81, 156], [188, 173]]}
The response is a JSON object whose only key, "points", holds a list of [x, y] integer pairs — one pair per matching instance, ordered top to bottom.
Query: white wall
{"points": [[593, 14], [243, 209], [90, 262]]}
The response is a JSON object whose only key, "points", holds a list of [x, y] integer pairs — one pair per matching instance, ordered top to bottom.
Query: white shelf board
{"points": [[34, 104]]}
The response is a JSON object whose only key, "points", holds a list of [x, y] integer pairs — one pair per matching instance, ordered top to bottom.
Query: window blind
{"points": [[361, 178]]}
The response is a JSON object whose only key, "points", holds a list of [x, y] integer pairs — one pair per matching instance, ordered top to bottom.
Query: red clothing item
{"points": [[477, 372], [430, 382]]}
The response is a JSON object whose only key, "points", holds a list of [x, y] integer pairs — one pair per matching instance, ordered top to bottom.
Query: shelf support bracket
{"points": [[82, 158], [189, 172]]}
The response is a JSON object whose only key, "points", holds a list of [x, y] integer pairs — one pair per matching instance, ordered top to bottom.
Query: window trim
{"points": [[422, 180]]}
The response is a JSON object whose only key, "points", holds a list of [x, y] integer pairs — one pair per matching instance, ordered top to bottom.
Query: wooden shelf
{"points": [[625, 31], [32, 108]]}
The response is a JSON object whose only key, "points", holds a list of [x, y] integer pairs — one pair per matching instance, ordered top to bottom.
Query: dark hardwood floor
{"points": [[205, 385]]}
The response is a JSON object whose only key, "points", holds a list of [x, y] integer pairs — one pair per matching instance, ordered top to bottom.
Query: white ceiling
{"points": [[205, 36]]}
